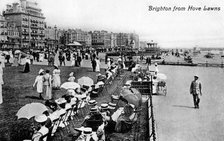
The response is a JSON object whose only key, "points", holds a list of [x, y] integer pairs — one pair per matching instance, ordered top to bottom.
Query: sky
{"points": [[167, 28]]}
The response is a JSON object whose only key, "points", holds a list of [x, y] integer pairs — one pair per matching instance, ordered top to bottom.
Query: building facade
{"points": [[29, 20], [3, 32], [13, 36], [101, 39]]}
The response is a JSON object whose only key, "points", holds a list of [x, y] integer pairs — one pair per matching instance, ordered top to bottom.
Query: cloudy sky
{"points": [[169, 29]]}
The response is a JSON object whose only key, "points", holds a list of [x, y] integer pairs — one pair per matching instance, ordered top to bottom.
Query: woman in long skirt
{"points": [[97, 65], [27, 66], [56, 77], [1, 82], [39, 83], [48, 85]]}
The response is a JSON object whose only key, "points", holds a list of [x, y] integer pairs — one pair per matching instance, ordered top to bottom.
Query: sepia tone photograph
{"points": [[111, 70]]}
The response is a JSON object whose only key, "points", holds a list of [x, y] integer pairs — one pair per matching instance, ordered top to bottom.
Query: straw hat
{"points": [[40, 71], [92, 102], [104, 106], [111, 106], [93, 110], [40, 118], [87, 131]]}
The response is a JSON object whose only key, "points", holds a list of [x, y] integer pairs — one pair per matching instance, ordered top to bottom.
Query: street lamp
{"points": [[55, 28], [48, 48]]}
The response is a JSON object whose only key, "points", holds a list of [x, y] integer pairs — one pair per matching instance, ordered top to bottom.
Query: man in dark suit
{"points": [[94, 65], [195, 90]]}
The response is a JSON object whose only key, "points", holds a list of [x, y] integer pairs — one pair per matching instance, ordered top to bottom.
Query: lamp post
{"points": [[55, 28], [48, 48]]}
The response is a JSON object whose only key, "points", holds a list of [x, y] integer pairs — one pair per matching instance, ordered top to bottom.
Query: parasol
{"points": [[85, 81], [70, 85], [133, 96], [30, 110]]}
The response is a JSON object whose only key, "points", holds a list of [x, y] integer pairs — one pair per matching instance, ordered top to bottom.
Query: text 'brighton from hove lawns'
{"points": [[183, 8]]}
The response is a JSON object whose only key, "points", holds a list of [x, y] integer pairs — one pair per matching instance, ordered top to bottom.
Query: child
{"points": [[71, 77]]}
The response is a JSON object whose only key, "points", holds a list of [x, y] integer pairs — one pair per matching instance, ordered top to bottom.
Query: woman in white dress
{"points": [[41, 57], [2, 58], [72, 60], [97, 65], [56, 77], [1, 82], [39, 83], [48, 85]]}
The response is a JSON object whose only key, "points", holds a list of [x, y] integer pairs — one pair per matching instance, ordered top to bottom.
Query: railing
{"points": [[206, 64], [151, 120]]}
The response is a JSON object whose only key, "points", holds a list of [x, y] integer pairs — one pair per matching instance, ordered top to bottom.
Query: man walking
{"points": [[195, 90]]}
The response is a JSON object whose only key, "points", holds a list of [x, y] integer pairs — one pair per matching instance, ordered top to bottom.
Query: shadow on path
{"points": [[182, 106]]}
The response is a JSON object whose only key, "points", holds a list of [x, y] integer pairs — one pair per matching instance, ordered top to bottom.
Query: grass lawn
{"points": [[18, 86]]}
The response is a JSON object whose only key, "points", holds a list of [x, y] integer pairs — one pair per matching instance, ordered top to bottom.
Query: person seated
{"points": [[109, 74], [101, 77], [51, 104], [94, 119], [125, 119], [48, 123], [41, 129]]}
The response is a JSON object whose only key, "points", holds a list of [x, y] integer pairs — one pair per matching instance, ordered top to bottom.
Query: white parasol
{"points": [[85, 81], [70, 85], [30, 110]]}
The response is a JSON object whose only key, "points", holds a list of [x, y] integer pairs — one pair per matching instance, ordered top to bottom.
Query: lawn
{"points": [[18, 87]]}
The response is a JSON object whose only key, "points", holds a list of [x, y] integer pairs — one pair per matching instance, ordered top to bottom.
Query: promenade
{"points": [[176, 119]]}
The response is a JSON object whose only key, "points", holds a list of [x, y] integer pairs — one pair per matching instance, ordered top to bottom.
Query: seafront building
{"points": [[29, 20], [23, 26], [3, 32], [12, 36]]}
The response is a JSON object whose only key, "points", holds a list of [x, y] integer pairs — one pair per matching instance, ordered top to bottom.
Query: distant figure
{"points": [[94, 64], [97, 64], [27, 66], [156, 68], [56, 77], [1, 82], [39, 83], [48, 85], [195, 90]]}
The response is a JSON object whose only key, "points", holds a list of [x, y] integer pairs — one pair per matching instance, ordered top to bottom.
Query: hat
{"points": [[55, 65], [40, 71], [71, 74], [99, 74], [196, 76], [100, 83], [60, 101], [92, 102], [104, 106], [111, 106], [93, 109], [40, 118], [87, 130]]}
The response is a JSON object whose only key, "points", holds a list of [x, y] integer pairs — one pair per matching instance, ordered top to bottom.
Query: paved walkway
{"points": [[176, 119]]}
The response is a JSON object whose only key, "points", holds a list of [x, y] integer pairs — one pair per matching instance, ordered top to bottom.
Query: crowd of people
{"points": [[68, 105]]}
